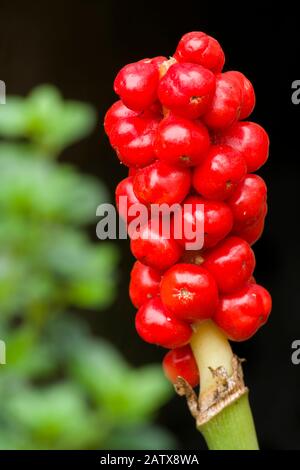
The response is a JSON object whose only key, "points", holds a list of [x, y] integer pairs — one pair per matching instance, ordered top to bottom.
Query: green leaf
{"points": [[13, 117], [45, 118], [55, 124], [10, 150], [39, 188], [95, 286], [26, 357], [99, 368], [148, 390], [127, 394], [139, 395], [57, 417], [12, 438]]}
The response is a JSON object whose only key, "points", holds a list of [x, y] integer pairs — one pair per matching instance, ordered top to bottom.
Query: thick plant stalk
{"points": [[222, 410], [232, 428]]}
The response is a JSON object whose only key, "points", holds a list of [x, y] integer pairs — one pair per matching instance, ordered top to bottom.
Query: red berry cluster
{"points": [[180, 128]]}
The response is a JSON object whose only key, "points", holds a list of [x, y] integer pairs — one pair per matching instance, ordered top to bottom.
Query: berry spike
{"points": [[180, 127]]}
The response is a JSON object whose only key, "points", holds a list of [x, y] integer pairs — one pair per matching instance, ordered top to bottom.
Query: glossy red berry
{"points": [[199, 48], [158, 60], [137, 84], [187, 89], [248, 94], [225, 107], [117, 112], [124, 130], [133, 140], [251, 140], [181, 142], [220, 173], [161, 183], [125, 189], [248, 202], [216, 216], [253, 232], [153, 249], [231, 263], [144, 284], [189, 292], [266, 300], [242, 313], [156, 325], [180, 362]]}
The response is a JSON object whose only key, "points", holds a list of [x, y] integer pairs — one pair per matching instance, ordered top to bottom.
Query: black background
{"points": [[79, 46]]}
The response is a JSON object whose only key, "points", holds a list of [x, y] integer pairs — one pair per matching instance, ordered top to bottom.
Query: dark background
{"points": [[79, 46]]}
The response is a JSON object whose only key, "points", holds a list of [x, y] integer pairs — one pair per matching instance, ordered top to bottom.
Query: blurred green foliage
{"points": [[62, 388]]}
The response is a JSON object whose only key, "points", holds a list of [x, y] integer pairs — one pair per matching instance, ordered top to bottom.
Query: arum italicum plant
{"points": [[180, 128]]}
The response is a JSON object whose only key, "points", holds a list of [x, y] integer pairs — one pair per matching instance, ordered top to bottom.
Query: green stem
{"points": [[224, 415], [232, 428]]}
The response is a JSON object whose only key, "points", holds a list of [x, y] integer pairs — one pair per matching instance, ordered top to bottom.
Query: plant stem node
{"points": [[227, 390]]}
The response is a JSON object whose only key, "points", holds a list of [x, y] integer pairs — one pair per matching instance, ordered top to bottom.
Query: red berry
{"points": [[199, 48], [158, 61], [136, 84], [187, 89], [248, 94], [225, 107], [117, 112], [124, 130], [133, 140], [251, 140], [181, 142], [219, 175], [161, 183], [125, 189], [248, 202], [216, 215], [253, 232], [153, 249], [231, 263], [144, 284], [189, 292], [266, 300], [242, 313], [156, 325], [180, 362]]}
